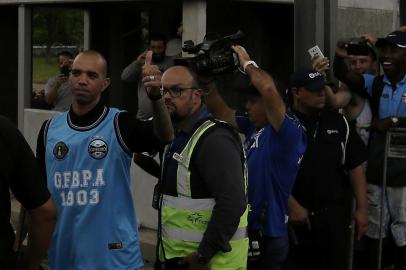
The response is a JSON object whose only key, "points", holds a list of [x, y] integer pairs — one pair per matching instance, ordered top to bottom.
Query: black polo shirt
{"points": [[333, 149]]}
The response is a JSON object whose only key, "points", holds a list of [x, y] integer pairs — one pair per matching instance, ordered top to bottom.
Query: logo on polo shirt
{"points": [[403, 98], [332, 131], [98, 149], [60, 150]]}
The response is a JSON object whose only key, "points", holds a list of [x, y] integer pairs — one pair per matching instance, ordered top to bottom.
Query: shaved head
{"points": [[97, 57]]}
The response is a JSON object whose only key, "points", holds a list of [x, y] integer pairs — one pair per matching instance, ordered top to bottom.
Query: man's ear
{"points": [[106, 83], [294, 91], [199, 92]]}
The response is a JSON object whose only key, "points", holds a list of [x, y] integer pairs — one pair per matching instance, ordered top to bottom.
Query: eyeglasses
{"points": [[174, 91]]}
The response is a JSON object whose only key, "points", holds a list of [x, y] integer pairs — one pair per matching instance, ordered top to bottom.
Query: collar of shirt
{"points": [[386, 80], [196, 117], [88, 118], [310, 123]]}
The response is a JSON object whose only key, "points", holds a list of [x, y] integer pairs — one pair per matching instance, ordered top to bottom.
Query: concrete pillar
{"points": [[194, 20], [315, 22], [86, 30], [24, 62]]}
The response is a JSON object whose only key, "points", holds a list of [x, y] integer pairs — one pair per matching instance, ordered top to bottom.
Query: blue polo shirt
{"points": [[391, 103], [273, 159]]}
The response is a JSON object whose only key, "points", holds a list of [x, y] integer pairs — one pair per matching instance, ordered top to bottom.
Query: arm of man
{"points": [[132, 72], [353, 80], [263, 82], [52, 87], [334, 100], [338, 100], [162, 121], [384, 124], [138, 136], [40, 151], [356, 155], [220, 166], [359, 187], [31, 191], [297, 213], [43, 219]]}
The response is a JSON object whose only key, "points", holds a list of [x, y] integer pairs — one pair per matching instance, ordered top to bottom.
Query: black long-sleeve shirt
{"points": [[217, 172]]}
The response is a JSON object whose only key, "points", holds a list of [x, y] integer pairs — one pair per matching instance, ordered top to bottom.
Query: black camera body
{"points": [[357, 46], [212, 57], [65, 70]]}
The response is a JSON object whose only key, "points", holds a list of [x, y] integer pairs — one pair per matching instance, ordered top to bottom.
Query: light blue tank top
{"points": [[88, 174]]}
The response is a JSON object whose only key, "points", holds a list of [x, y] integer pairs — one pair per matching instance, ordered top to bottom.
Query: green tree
{"points": [[57, 26]]}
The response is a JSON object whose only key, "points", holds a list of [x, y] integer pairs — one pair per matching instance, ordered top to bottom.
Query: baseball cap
{"points": [[396, 38], [308, 78]]}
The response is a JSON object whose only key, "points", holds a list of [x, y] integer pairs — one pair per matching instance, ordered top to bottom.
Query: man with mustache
{"points": [[388, 102], [203, 209]]}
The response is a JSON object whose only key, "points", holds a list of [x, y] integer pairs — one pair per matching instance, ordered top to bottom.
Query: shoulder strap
{"points": [[377, 89]]}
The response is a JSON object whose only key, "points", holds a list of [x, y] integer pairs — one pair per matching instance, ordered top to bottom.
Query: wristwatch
{"points": [[395, 121], [201, 259]]}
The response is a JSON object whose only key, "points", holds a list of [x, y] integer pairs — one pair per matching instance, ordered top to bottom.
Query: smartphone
{"points": [[315, 51], [65, 70]]}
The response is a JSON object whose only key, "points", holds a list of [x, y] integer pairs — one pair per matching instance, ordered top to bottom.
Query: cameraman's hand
{"points": [[243, 56], [320, 64]]}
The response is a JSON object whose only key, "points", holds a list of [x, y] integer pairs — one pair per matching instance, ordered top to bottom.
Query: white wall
{"points": [[370, 4]]}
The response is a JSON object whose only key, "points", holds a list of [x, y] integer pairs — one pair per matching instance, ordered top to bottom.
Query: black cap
{"points": [[396, 38], [308, 78]]}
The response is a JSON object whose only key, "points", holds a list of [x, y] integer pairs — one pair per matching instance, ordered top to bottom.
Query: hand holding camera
{"points": [[347, 48], [213, 56], [243, 56]]}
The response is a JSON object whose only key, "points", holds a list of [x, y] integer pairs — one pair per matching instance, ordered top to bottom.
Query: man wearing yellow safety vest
{"points": [[202, 206]]}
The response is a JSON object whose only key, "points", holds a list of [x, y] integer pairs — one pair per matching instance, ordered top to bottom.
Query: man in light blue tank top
{"points": [[87, 156]]}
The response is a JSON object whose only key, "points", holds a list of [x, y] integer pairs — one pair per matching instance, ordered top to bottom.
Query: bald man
{"points": [[86, 155], [203, 208]]}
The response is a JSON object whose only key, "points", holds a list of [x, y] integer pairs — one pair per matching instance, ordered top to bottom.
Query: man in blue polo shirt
{"points": [[388, 101], [274, 145]]}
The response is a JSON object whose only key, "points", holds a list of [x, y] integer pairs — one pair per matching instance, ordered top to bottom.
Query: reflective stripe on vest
{"points": [[184, 157], [188, 203], [184, 219], [196, 237]]}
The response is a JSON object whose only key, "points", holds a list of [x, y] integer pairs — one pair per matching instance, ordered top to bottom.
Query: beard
{"points": [[157, 57]]}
